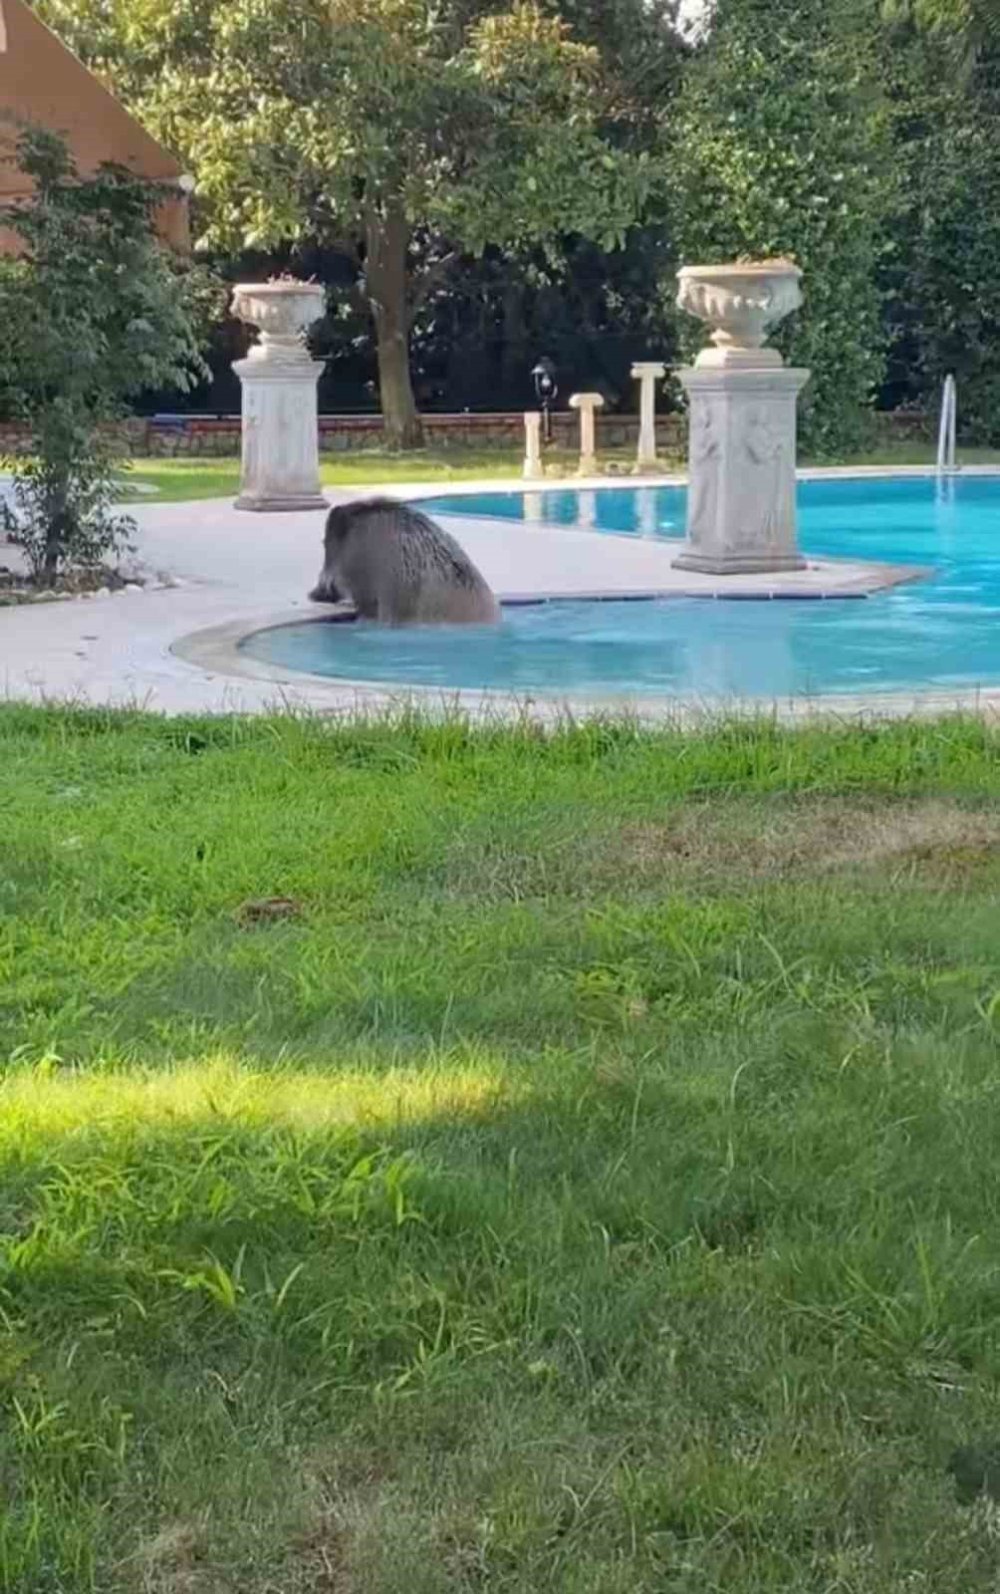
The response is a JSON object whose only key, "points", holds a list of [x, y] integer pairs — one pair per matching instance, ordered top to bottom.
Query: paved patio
{"points": [[234, 572]]}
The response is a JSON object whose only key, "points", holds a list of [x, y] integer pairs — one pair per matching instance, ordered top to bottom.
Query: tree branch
{"points": [[430, 279]]}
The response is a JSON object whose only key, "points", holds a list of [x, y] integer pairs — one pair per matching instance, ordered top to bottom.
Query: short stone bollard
{"points": [[647, 373], [587, 403], [533, 467]]}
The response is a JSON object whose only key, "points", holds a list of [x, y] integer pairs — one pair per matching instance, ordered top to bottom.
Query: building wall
{"points": [[42, 82]]}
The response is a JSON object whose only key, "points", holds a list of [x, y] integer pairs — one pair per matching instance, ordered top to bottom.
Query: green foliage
{"points": [[962, 29], [364, 124], [776, 148], [477, 169], [940, 268], [96, 312]]}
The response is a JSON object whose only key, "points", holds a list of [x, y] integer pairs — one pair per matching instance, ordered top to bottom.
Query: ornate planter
{"points": [[740, 303], [284, 312], [742, 398], [280, 414]]}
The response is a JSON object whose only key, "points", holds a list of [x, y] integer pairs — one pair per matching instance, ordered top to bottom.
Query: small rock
{"points": [[132, 586], [103, 592]]}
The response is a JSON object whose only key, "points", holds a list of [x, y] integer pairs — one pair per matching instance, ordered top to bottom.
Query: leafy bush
{"points": [[777, 147], [943, 292], [95, 311]]}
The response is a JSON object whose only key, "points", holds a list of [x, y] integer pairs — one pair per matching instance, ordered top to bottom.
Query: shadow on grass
{"points": [[718, 1307]]}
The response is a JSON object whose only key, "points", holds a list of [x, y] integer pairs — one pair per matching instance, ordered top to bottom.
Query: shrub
{"points": [[96, 310]]}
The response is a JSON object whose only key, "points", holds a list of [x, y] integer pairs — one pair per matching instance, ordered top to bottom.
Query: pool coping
{"points": [[207, 648], [216, 649]]}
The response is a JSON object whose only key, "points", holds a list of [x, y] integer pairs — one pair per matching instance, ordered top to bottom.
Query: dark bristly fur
{"points": [[399, 568]]}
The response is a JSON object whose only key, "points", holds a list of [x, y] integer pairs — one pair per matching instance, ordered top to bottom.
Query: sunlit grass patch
{"points": [[42, 1103]]}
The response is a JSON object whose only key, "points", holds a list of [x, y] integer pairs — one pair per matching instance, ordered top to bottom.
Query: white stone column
{"points": [[647, 373], [587, 403], [280, 408], [742, 414], [533, 467], [534, 508], [587, 511], [647, 512]]}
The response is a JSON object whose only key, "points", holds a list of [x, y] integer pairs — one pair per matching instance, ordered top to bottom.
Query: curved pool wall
{"points": [[942, 633]]}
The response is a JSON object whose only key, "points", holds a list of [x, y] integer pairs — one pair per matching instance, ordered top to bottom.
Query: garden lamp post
{"points": [[544, 378]]}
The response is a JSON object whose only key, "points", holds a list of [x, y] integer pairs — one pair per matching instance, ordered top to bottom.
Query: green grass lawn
{"points": [[177, 479], [592, 1188]]}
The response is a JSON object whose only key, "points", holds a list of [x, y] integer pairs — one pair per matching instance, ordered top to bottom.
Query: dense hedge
{"points": [[778, 148]]}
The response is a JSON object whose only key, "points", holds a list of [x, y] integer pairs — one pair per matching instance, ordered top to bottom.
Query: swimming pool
{"points": [[943, 632]]}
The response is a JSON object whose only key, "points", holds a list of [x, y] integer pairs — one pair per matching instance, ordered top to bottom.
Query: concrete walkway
{"points": [[234, 572]]}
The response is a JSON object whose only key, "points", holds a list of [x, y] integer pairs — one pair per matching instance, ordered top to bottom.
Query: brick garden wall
{"points": [[194, 437]]}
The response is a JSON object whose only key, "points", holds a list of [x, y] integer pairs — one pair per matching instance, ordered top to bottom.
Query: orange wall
{"points": [[42, 82]]}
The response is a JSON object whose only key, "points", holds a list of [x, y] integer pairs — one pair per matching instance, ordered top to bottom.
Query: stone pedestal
{"points": [[647, 373], [587, 403], [280, 408], [280, 436], [741, 451], [533, 467], [741, 470]]}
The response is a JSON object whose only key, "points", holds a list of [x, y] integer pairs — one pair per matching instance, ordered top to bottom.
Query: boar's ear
{"points": [[338, 522]]}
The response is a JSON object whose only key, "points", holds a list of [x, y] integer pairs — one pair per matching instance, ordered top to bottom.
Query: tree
{"points": [[971, 25], [401, 133], [778, 147], [943, 293], [94, 310]]}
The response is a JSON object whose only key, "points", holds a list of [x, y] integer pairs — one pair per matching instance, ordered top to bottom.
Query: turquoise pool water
{"points": [[943, 632]]}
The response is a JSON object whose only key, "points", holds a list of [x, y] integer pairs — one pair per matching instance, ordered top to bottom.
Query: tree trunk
{"points": [[385, 280], [55, 535]]}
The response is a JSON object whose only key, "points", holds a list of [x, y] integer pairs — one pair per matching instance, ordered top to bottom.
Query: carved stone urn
{"points": [[740, 302], [284, 311], [742, 400], [280, 410]]}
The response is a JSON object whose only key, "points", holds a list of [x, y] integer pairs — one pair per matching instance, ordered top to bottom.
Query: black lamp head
{"points": [[544, 377]]}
